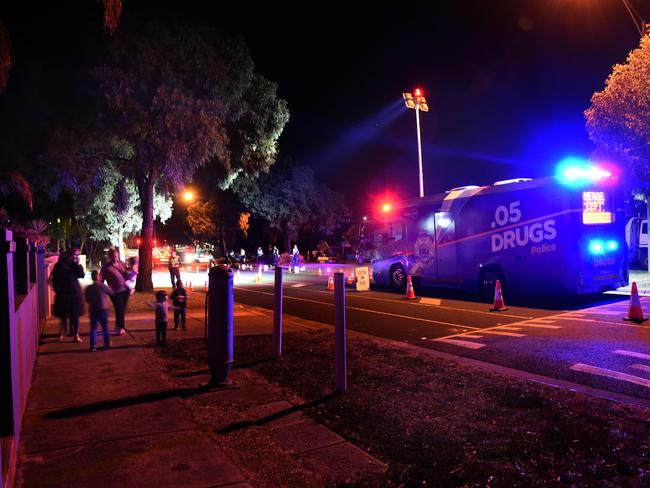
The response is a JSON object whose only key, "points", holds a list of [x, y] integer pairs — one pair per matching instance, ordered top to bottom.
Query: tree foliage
{"points": [[176, 96], [618, 120], [289, 198], [110, 208], [202, 219]]}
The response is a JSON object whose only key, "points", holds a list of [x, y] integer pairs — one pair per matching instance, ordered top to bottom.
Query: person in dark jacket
{"points": [[68, 302]]}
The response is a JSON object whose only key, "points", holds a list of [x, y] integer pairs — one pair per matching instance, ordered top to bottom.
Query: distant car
{"points": [[323, 258]]}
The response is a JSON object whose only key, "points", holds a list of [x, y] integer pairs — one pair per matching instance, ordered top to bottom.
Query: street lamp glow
{"points": [[418, 102], [188, 195], [386, 207]]}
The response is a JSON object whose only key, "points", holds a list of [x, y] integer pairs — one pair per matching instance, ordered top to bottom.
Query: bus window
{"points": [[386, 233]]}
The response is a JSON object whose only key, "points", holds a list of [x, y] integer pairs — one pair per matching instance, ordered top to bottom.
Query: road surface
{"points": [[583, 341]]}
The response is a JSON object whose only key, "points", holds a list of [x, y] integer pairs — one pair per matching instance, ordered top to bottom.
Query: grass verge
{"points": [[437, 422]]}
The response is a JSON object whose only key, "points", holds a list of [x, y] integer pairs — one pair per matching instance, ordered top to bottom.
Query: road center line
{"points": [[424, 304], [365, 310], [540, 326], [503, 333]]}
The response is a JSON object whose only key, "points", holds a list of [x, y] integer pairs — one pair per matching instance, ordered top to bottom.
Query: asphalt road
{"points": [[580, 340]]}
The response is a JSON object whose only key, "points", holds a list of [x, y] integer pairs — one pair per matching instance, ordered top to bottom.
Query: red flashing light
{"points": [[418, 92], [138, 241], [154, 242]]}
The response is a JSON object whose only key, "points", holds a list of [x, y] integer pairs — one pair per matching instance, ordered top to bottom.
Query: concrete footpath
{"points": [[114, 418]]}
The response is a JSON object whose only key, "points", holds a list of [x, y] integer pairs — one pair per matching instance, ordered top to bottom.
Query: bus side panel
{"points": [[527, 235]]}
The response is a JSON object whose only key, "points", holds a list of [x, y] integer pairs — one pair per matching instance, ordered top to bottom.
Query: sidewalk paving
{"points": [[114, 418]]}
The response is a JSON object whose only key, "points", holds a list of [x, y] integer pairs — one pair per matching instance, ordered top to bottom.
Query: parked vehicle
{"points": [[535, 236], [636, 238]]}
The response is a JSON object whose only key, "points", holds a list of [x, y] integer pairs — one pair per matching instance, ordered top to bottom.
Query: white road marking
{"points": [[298, 285], [430, 301], [424, 303], [364, 310], [577, 319], [543, 320], [539, 326], [508, 327], [503, 333], [473, 336], [466, 344], [633, 354], [641, 367], [617, 375]]}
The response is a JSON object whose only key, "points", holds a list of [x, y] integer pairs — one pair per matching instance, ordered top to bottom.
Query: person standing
{"points": [[260, 256], [276, 256], [296, 256], [242, 257], [174, 267], [115, 273], [133, 274], [97, 299], [179, 299], [68, 302], [162, 315]]}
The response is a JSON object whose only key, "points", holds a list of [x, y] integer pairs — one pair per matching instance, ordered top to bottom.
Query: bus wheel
{"points": [[397, 277], [487, 283]]}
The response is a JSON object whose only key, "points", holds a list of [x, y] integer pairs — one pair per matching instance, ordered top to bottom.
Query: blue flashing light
{"points": [[574, 171], [596, 247]]}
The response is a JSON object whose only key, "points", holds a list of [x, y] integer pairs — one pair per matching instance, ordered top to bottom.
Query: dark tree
{"points": [[177, 96]]}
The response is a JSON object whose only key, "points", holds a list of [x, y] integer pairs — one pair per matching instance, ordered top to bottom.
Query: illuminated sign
{"points": [[593, 208]]}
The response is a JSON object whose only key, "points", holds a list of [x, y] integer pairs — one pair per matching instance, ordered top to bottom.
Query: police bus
{"points": [[537, 236]]}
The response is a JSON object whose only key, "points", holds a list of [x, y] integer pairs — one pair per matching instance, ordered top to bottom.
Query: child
{"points": [[132, 271], [96, 296], [179, 299], [161, 307]]}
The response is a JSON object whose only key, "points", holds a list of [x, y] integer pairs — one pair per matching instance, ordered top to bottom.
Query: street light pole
{"points": [[417, 102], [417, 119]]}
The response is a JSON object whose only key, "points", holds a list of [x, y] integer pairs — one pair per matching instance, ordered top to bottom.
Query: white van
{"points": [[636, 236]]}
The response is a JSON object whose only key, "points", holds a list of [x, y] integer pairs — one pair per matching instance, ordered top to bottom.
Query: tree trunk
{"points": [[145, 190], [285, 234], [119, 243]]}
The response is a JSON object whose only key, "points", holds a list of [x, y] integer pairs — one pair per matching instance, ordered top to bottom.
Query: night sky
{"points": [[506, 80]]}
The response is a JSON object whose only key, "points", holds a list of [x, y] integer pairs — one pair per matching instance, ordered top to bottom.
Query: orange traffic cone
{"points": [[320, 272], [258, 278], [330, 282], [189, 286], [205, 286], [410, 293], [498, 299], [634, 311]]}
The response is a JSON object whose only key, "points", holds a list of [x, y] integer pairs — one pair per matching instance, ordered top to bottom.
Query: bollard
{"points": [[277, 314], [220, 324], [339, 332]]}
